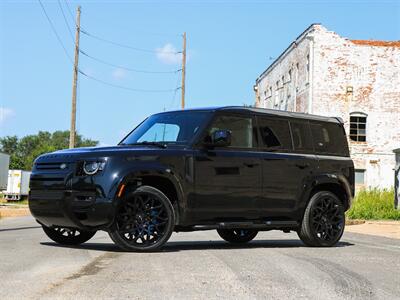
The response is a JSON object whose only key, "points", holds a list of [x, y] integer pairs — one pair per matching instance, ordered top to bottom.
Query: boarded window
{"points": [[358, 127], [275, 133], [329, 138], [302, 140], [359, 176]]}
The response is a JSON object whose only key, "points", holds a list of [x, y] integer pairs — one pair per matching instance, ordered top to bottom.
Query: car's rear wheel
{"points": [[144, 221], [323, 221], [68, 236], [237, 236]]}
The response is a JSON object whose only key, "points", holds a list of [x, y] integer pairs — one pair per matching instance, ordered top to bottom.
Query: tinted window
{"points": [[242, 130], [275, 133], [301, 134], [329, 138]]}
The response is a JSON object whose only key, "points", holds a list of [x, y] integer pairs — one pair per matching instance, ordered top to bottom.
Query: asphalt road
{"points": [[196, 265]]}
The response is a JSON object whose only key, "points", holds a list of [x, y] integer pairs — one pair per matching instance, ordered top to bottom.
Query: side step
{"points": [[267, 225]]}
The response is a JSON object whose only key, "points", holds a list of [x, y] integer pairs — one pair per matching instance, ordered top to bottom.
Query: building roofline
{"points": [[376, 43], [287, 50]]}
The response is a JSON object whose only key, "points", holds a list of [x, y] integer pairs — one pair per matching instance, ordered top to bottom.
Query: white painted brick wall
{"points": [[373, 73]]}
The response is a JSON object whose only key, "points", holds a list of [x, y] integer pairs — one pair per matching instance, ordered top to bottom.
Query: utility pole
{"points": [[183, 70], [72, 132]]}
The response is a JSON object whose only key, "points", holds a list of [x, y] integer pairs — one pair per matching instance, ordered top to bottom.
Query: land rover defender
{"points": [[237, 170]]}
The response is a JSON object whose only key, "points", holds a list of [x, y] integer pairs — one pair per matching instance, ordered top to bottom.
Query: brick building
{"points": [[358, 80]]}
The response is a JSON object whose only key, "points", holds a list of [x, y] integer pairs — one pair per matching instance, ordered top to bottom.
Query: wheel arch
{"points": [[166, 182], [336, 184]]}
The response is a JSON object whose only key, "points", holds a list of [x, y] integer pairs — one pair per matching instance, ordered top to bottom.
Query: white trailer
{"points": [[4, 165], [18, 184]]}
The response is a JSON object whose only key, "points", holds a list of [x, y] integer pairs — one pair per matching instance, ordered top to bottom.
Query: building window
{"points": [[308, 68], [289, 75], [297, 76], [270, 92], [358, 127], [359, 176]]}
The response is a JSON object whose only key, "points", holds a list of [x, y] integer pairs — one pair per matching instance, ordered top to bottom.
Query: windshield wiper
{"points": [[157, 144]]}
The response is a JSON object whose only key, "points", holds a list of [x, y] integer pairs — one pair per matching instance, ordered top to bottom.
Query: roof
{"points": [[376, 43], [272, 112]]}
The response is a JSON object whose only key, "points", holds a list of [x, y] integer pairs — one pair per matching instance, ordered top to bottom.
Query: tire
{"points": [[144, 221], [323, 222], [66, 236], [237, 236]]}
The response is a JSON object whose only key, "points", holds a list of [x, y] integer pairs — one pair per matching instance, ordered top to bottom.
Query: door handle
{"points": [[251, 165], [302, 165]]}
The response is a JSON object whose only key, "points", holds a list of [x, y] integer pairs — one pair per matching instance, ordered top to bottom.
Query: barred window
{"points": [[358, 127]]}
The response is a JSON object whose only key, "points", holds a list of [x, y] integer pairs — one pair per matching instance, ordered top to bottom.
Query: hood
{"points": [[74, 154]]}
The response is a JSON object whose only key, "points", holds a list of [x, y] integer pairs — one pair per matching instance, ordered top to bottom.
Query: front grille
{"points": [[51, 166], [46, 195]]}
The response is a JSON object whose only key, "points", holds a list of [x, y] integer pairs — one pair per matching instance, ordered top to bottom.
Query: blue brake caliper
{"points": [[153, 222]]}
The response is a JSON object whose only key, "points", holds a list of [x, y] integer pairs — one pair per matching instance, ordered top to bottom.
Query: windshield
{"points": [[172, 128]]}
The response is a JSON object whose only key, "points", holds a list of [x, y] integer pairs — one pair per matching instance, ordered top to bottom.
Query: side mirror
{"points": [[221, 138]]}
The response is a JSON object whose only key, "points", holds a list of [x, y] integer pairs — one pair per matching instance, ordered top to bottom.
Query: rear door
{"points": [[287, 159], [228, 179]]}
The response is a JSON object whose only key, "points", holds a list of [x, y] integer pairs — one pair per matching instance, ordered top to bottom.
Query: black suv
{"points": [[238, 170]]}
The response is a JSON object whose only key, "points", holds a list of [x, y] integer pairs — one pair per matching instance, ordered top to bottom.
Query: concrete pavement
{"points": [[196, 265]]}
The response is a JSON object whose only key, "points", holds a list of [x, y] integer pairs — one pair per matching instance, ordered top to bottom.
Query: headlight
{"points": [[92, 167]]}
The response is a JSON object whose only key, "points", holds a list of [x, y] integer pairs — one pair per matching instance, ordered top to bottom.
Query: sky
{"points": [[229, 44]]}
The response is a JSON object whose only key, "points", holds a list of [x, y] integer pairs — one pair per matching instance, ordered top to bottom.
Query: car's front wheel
{"points": [[144, 220], [323, 221], [68, 236], [237, 236]]}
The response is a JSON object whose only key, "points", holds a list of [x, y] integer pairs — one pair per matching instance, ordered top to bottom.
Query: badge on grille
{"points": [[63, 166]]}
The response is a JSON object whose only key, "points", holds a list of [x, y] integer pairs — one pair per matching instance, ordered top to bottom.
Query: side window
{"points": [[242, 130], [275, 133], [301, 135], [329, 138]]}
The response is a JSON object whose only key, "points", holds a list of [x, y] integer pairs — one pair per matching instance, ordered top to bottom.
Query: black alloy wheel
{"points": [[144, 221], [324, 221], [68, 236], [237, 236]]}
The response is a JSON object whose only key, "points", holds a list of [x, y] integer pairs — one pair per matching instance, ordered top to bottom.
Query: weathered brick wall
{"points": [[347, 77]]}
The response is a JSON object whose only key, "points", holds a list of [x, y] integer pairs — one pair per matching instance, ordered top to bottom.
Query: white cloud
{"points": [[168, 54], [119, 74], [6, 114]]}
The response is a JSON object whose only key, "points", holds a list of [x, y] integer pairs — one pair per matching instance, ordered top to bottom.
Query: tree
{"points": [[25, 150]]}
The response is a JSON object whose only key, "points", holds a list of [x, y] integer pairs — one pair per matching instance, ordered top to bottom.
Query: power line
{"points": [[70, 12], [66, 22], [55, 31], [127, 46], [127, 68], [124, 87]]}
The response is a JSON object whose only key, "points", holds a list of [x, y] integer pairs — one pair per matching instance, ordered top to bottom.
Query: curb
{"points": [[14, 212]]}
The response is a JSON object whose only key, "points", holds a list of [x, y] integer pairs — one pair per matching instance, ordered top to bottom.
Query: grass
{"points": [[374, 204]]}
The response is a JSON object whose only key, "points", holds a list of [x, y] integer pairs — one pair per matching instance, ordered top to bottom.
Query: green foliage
{"points": [[24, 151], [374, 204]]}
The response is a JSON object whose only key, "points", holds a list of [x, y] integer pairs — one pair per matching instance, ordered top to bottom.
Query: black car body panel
{"points": [[208, 185]]}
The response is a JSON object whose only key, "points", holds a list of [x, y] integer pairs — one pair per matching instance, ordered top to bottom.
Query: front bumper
{"points": [[68, 208]]}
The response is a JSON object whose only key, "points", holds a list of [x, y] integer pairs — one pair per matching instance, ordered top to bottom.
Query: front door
{"points": [[228, 180]]}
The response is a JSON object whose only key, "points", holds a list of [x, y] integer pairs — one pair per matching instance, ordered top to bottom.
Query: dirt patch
{"points": [[6, 211], [389, 229]]}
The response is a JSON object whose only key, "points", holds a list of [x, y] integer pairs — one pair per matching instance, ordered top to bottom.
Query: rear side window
{"points": [[275, 133], [329, 138], [302, 140]]}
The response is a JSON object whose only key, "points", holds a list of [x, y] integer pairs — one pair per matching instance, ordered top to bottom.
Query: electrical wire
{"points": [[70, 12], [66, 22], [55, 31], [127, 46], [127, 68], [124, 87], [175, 91]]}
